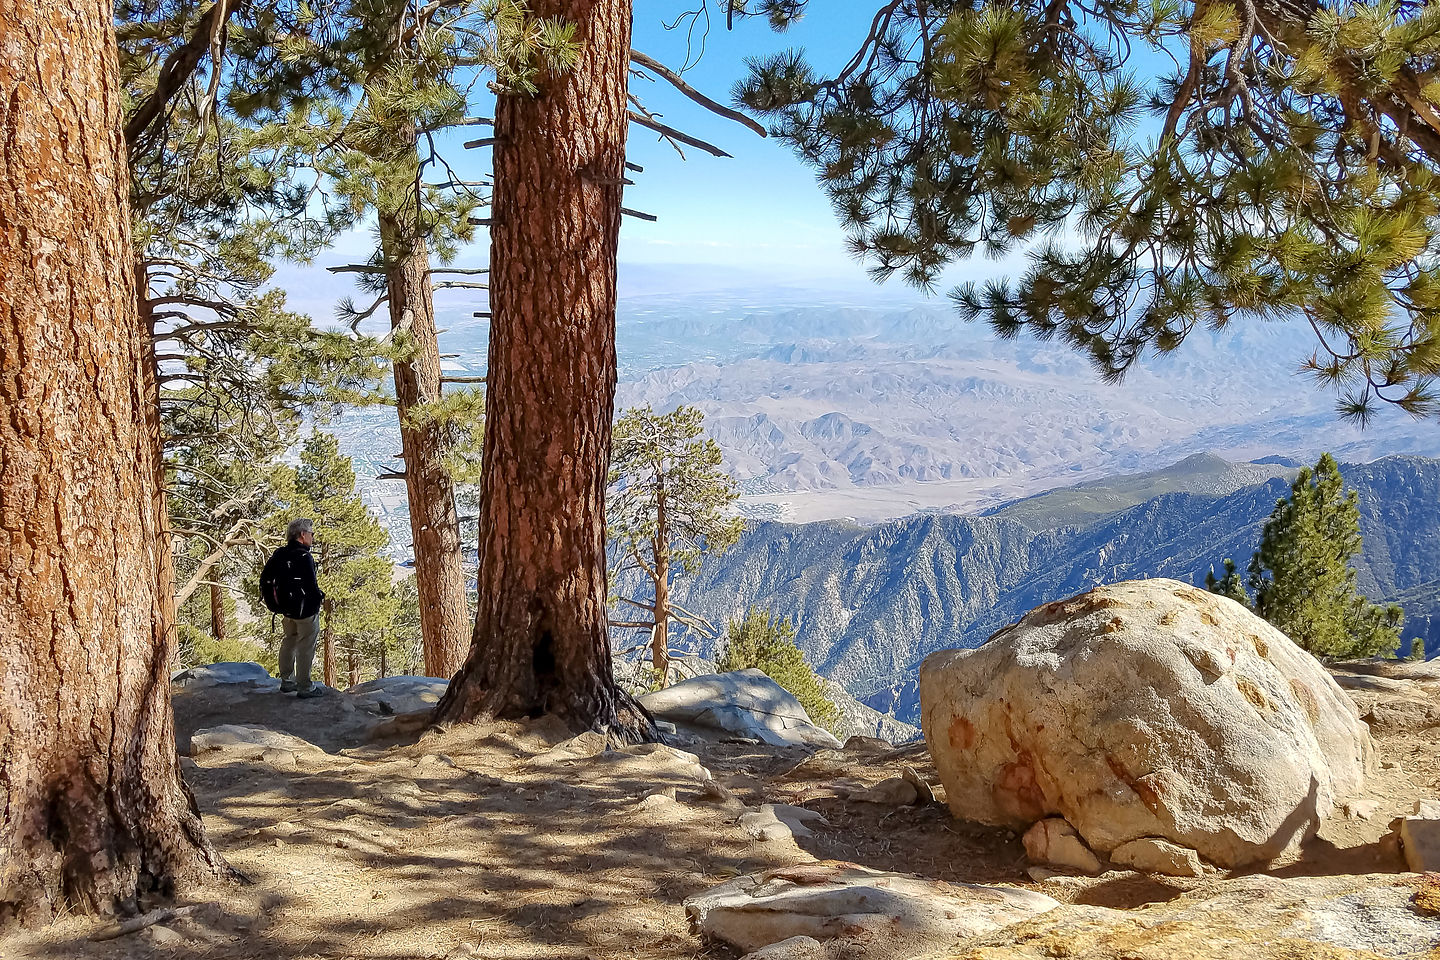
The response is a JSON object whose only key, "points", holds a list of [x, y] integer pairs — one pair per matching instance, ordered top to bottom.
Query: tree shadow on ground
{"points": [[471, 843]]}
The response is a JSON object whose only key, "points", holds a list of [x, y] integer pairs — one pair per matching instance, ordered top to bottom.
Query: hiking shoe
{"points": [[288, 686], [310, 693]]}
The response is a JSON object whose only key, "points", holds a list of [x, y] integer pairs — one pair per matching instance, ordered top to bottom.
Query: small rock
{"points": [[666, 727], [741, 741], [858, 744], [280, 759], [1391, 765], [923, 789], [667, 792], [894, 792], [657, 801], [1361, 809], [1427, 809], [795, 818], [764, 825], [1420, 840], [1054, 841], [1153, 855], [1041, 874], [165, 937], [794, 948]]}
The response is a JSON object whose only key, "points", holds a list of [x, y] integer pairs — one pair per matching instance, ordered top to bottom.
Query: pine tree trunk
{"points": [[434, 524], [217, 612], [660, 635], [541, 642], [328, 643], [92, 809]]}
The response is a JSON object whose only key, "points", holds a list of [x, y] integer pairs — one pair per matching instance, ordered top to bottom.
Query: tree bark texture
{"points": [[434, 523], [217, 612], [660, 634], [327, 640], [541, 641], [93, 812]]}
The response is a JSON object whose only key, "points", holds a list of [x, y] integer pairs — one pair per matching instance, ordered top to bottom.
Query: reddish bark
{"points": [[434, 524], [327, 640], [541, 641], [93, 812]]}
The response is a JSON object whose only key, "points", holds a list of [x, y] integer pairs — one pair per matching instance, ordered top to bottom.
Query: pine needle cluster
{"points": [[1287, 167]]}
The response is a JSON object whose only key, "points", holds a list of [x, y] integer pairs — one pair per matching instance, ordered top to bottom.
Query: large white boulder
{"points": [[744, 703], [1145, 709]]}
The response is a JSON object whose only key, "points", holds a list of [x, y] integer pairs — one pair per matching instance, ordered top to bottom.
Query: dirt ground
{"points": [[490, 843]]}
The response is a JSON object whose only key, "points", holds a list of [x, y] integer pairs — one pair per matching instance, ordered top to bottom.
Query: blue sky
{"points": [[759, 216]]}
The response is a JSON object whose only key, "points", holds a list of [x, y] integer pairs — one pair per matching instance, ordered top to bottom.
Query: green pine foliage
{"points": [[1288, 165], [1301, 576], [1230, 585], [767, 643]]}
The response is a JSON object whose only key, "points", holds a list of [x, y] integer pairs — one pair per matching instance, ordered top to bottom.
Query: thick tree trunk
{"points": [[434, 524], [327, 641], [541, 642], [93, 813]]}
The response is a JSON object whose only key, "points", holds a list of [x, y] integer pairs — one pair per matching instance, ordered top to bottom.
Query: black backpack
{"points": [[276, 586]]}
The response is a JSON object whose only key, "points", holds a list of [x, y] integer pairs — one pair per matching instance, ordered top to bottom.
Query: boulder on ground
{"points": [[214, 674], [390, 696], [746, 703], [1145, 709], [238, 741], [1153, 855], [882, 914]]}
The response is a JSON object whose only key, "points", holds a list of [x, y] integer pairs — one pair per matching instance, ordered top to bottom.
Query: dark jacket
{"points": [[298, 566]]}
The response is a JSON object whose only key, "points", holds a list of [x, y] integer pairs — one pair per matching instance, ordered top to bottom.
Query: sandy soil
{"points": [[488, 843]]}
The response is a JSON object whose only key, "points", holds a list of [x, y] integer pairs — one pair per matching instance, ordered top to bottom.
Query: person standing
{"points": [[289, 587]]}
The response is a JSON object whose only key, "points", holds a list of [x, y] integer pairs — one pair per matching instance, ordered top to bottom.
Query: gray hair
{"points": [[297, 527]]}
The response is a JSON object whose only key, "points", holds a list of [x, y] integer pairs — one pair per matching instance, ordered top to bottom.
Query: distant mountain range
{"points": [[872, 601]]}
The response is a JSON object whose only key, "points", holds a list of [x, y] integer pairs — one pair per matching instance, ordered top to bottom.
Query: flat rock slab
{"points": [[215, 674], [390, 696], [744, 703], [241, 742], [875, 914], [1250, 918]]}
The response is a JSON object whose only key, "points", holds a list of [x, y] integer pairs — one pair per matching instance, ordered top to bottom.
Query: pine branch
{"points": [[678, 82], [670, 133]]}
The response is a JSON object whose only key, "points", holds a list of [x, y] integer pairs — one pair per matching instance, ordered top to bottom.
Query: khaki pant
{"points": [[297, 650]]}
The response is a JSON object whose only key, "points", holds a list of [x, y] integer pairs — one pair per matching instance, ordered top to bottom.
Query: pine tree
{"points": [[408, 90], [1289, 165], [670, 505], [1301, 576], [1231, 585], [541, 641], [767, 643], [96, 814]]}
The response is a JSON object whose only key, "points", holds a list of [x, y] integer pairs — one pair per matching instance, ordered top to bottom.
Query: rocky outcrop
{"points": [[744, 703], [1145, 709], [1251, 918]]}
